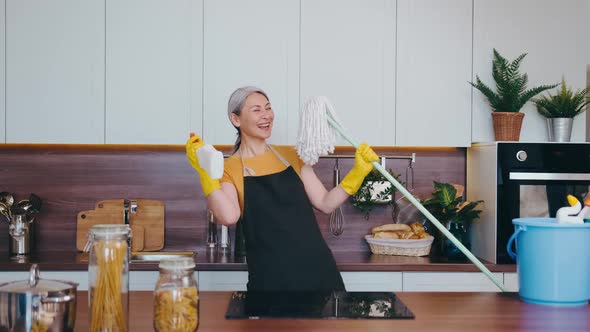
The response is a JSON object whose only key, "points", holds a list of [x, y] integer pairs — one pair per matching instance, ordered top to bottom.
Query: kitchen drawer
{"points": [[223, 280], [372, 281], [511, 281], [449, 282]]}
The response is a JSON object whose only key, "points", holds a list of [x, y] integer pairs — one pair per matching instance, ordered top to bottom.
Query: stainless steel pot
{"points": [[37, 304]]}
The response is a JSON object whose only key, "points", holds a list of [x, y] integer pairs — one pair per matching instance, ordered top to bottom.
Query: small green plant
{"points": [[511, 85], [564, 104], [365, 199], [447, 204]]}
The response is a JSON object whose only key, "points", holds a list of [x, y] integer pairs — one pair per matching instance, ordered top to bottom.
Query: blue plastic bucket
{"points": [[553, 261]]}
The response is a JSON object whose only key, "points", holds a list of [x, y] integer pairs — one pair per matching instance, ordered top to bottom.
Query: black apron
{"points": [[285, 249]]}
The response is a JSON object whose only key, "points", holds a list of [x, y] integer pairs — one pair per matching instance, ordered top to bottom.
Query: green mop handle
{"points": [[422, 209]]}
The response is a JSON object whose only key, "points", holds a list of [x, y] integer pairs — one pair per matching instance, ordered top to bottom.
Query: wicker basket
{"points": [[507, 125], [398, 247]]}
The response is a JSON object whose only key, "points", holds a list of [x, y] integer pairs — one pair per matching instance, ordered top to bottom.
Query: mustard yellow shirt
{"points": [[264, 164]]}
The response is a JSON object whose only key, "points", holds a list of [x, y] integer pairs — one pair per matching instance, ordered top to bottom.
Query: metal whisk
{"points": [[336, 217]]}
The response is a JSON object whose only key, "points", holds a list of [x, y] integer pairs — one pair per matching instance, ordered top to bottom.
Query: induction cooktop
{"points": [[323, 305]]}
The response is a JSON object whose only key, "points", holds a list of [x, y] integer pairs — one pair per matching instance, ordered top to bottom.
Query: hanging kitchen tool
{"points": [[410, 175], [391, 197], [6, 198], [407, 210], [5, 211], [336, 217]]}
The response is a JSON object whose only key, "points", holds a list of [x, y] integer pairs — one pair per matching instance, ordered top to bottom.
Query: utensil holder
{"points": [[21, 235]]}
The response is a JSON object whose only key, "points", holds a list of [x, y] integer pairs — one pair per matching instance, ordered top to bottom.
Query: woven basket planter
{"points": [[507, 125]]}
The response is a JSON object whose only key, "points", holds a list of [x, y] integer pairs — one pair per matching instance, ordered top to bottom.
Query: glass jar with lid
{"points": [[108, 273], [176, 297]]}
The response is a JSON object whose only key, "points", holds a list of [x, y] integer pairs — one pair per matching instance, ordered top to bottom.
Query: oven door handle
{"points": [[549, 176]]}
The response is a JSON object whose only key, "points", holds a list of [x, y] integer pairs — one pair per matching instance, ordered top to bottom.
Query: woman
{"points": [[273, 193]]}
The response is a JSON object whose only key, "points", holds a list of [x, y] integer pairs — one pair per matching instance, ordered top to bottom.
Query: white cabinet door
{"points": [[553, 33], [254, 42], [434, 44], [55, 54], [348, 55], [2, 71], [153, 71], [144, 280], [223, 280], [372, 281], [449, 282]]}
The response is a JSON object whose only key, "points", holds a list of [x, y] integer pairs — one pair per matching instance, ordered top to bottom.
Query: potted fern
{"points": [[510, 96], [560, 110]]}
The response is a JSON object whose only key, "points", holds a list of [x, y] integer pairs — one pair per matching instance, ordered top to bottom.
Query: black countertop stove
{"points": [[320, 305]]}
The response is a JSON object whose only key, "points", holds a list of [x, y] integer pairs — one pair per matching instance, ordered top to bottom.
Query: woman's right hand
{"points": [[193, 144]]}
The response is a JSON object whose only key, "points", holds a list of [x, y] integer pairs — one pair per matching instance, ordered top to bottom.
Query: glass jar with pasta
{"points": [[108, 273], [176, 298]]}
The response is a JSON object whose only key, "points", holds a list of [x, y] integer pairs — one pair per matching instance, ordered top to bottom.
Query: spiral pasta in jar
{"points": [[176, 297]]}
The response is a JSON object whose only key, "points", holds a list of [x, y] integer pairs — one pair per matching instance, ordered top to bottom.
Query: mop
{"points": [[316, 137]]}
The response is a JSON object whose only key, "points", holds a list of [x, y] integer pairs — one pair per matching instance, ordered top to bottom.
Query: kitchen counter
{"points": [[214, 261], [433, 312]]}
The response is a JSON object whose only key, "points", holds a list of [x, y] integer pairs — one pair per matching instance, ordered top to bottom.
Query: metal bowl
{"points": [[38, 304]]}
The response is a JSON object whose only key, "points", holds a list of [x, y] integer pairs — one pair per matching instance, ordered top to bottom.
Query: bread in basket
{"points": [[400, 239], [400, 247]]}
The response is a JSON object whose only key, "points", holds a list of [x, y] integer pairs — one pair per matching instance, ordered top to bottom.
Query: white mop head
{"points": [[315, 136]]}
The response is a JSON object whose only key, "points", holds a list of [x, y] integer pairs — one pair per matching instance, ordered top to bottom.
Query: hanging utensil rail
{"points": [[411, 157]]}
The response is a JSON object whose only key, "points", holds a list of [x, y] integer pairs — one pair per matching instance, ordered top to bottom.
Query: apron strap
{"points": [[247, 171]]}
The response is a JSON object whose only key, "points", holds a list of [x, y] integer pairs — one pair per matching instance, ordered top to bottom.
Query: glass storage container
{"points": [[108, 272], [176, 297]]}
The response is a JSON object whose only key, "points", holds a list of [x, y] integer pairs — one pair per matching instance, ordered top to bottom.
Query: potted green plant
{"points": [[510, 96], [560, 110], [376, 190], [448, 206]]}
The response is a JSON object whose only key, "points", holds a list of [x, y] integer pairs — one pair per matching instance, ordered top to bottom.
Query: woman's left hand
{"points": [[363, 159]]}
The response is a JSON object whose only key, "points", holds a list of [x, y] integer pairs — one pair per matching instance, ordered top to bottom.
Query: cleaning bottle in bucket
{"points": [[570, 214]]}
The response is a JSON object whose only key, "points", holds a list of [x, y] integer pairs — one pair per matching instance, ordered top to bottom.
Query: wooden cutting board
{"points": [[147, 223]]}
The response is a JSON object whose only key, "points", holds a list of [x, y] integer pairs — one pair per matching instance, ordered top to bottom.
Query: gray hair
{"points": [[236, 102]]}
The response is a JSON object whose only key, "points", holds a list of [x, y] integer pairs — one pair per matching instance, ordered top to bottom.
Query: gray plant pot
{"points": [[559, 129]]}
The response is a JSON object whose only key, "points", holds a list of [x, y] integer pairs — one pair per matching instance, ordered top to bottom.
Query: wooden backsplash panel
{"points": [[71, 178]]}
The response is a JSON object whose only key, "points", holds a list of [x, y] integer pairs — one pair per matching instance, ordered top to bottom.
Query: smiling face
{"points": [[256, 118]]}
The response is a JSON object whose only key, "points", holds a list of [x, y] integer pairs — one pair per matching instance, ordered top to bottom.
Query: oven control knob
{"points": [[521, 155]]}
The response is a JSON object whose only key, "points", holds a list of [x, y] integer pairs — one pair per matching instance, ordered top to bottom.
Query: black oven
{"points": [[530, 180]]}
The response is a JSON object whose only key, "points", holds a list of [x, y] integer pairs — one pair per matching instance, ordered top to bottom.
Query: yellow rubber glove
{"points": [[192, 145], [363, 157]]}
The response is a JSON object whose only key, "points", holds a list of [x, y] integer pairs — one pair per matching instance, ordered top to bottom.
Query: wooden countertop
{"points": [[215, 261], [433, 312]]}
